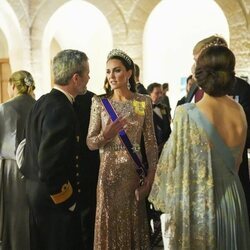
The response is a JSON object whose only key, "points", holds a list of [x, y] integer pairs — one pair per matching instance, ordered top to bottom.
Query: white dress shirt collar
{"points": [[68, 95]]}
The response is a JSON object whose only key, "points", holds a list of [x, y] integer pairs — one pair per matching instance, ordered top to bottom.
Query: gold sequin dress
{"points": [[121, 222]]}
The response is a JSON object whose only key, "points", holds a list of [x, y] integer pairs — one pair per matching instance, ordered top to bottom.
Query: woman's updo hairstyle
{"points": [[215, 70], [23, 82]]}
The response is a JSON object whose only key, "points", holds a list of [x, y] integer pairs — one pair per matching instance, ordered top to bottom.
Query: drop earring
{"points": [[128, 85]]}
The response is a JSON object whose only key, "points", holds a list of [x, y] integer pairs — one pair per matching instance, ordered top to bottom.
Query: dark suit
{"points": [[194, 88], [141, 89], [240, 91], [181, 101], [161, 125], [51, 167], [89, 168]]}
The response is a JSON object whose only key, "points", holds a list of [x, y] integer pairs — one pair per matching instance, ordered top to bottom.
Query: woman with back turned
{"points": [[197, 183], [14, 216]]}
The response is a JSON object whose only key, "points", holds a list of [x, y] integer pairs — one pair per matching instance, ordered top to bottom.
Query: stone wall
{"points": [[127, 19]]}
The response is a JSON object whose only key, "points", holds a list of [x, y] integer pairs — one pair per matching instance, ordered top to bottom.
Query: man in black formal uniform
{"points": [[241, 94], [51, 158], [89, 162]]}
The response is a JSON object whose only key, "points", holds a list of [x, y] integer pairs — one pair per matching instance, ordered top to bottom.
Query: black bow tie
{"points": [[156, 105]]}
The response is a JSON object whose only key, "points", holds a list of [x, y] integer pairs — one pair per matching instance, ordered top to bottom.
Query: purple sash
{"points": [[124, 138]]}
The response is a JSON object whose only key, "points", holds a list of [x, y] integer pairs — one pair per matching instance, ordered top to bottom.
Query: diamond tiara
{"points": [[217, 42], [119, 53]]}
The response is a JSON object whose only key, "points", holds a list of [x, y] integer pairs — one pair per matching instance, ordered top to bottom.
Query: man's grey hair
{"points": [[66, 63]]}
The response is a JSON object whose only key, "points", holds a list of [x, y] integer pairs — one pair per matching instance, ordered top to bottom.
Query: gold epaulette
{"points": [[66, 192]]}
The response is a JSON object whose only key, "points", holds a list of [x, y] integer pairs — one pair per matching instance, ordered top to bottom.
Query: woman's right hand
{"points": [[113, 128]]}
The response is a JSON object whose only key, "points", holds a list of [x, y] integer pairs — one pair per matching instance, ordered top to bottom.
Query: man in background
{"points": [[189, 84], [139, 86], [165, 100], [160, 115]]}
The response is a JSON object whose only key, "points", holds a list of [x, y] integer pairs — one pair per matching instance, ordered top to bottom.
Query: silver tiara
{"points": [[217, 42], [119, 53]]}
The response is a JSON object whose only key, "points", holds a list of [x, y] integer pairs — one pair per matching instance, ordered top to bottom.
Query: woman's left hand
{"points": [[143, 191]]}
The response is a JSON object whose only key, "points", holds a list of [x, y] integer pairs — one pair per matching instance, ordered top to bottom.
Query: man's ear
{"points": [[75, 77], [13, 86]]}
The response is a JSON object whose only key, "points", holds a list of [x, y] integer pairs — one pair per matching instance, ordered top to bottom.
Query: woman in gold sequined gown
{"points": [[121, 220]]}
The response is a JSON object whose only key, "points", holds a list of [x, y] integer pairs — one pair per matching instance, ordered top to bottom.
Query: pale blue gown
{"points": [[198, 187]]}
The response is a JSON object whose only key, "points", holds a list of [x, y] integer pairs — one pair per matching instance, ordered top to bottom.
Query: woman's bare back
{"points": [[228, 118]]}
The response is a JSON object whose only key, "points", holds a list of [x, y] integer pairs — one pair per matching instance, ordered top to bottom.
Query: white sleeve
{"points": [[19, 153]]}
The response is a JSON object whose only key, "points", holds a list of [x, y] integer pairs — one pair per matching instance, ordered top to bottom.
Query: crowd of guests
{"points": [[84, 171]]}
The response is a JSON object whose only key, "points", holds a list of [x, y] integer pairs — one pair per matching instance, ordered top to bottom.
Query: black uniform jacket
{"points": [[51, 153], [89, 159]]}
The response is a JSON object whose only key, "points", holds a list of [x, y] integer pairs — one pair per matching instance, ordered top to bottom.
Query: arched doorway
{"points": [[77, 25], [171, 31], [12, 51], [4, 68]]}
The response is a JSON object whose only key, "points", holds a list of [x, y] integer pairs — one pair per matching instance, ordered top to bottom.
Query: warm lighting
{"points": [[79, 25], [171, 31]]}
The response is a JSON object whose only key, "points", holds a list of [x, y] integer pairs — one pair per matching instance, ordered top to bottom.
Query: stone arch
{"points": [[234, 10], [45, 12], [127, 20], [136, 23], [10, 26], [239, 26], [78, 35], [168, 42], [4, 50], [4, 68]]}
